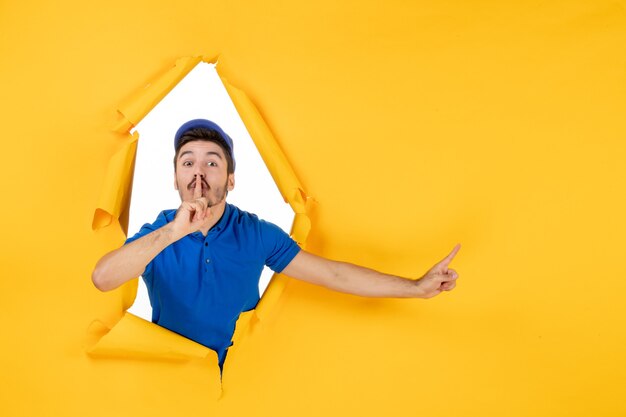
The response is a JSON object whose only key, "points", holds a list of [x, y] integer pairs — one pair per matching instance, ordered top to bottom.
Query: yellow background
{"points": [[414, 125]]}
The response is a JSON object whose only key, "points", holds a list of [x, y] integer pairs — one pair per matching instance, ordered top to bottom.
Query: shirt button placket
{"points": [[207, 259]]}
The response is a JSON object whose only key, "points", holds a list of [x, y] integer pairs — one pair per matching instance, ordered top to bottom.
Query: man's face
{"points": [[204, 160]]}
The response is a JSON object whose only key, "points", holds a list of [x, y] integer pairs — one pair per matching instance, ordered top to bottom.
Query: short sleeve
{"points": [[280, 249]]}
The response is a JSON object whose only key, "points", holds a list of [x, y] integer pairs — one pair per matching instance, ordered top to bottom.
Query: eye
{"points": [[187, 163], [212, 164]]}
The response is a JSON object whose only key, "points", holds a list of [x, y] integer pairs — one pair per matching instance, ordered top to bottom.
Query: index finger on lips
{"points": [[197, 191]]}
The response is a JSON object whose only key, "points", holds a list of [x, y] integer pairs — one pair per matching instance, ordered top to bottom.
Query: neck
{"points": [[217, 211]]}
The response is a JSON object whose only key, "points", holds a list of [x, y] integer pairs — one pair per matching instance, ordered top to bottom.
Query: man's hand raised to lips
{"points": [[192, 215], [130, 261], [439, 277]]}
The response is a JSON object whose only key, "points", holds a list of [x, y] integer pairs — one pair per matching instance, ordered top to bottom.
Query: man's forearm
{"points": [[128, 262], [350, 278], [358, 280]]}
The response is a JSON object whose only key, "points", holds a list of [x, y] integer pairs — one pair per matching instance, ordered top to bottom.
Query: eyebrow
{"points": [[208, 153]]}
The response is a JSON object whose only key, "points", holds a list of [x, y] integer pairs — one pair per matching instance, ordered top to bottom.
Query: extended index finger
{"points": [[197, 191], [446, 261]]}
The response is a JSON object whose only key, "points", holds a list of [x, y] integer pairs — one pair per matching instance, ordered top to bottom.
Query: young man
{"points": [[202, 262]]}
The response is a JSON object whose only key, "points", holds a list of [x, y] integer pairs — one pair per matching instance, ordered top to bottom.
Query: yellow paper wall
{"points": [[414, 125]]}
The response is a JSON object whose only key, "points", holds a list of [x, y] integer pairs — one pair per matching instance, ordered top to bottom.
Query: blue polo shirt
{"points": [[199, 285]]}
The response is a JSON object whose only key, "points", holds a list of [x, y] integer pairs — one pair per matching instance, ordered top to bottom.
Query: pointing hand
{"points": [[439, 278]]}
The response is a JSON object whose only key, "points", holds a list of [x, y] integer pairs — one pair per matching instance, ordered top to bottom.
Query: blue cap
{"points": [[206, 124]]}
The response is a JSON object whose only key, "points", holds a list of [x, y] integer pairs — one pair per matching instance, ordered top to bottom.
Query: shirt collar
{"points": [[221, 223], [217, 227]]}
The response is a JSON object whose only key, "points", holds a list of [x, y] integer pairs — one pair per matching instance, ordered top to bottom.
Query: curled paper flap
{"points": [[138, 105], [272, 155], [115, 194], [301, 227], [136, 338]]}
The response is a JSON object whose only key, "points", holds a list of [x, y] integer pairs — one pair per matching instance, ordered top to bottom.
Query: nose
{"points": [[198, 172]]}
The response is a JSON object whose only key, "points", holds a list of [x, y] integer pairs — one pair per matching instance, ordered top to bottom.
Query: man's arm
{"points": [[128, 262], [357, 280]]}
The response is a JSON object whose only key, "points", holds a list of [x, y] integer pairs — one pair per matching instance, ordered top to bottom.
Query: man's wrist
{"points": [[169, 234], [417, 288]]}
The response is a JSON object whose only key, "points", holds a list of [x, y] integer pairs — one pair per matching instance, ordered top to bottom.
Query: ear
{"points": [[231, 182], [175, 183]]}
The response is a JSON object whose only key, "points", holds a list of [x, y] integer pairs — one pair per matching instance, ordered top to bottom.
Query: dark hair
{"points": [[207, 135]]}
